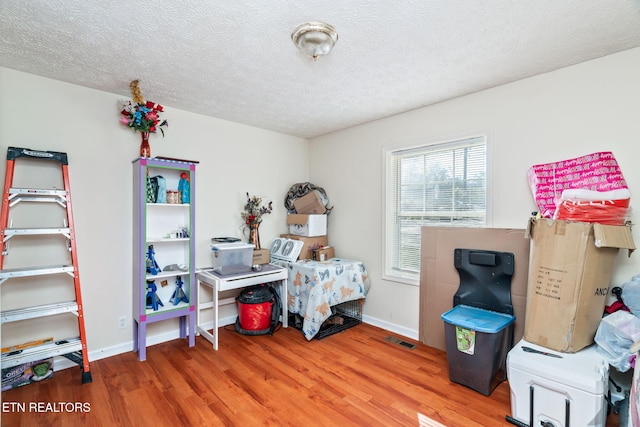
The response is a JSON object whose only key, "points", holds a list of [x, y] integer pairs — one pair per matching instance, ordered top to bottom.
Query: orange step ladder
{"points": [[73, 348]]}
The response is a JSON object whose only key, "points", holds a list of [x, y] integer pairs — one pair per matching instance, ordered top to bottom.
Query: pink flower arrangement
{"points": [[142, 116]]}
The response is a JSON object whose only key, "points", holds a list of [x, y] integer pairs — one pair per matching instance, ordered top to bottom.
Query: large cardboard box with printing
{"points": [[570, 272]]}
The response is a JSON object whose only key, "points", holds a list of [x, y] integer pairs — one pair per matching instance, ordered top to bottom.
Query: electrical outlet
{"points": [[122, 322]]}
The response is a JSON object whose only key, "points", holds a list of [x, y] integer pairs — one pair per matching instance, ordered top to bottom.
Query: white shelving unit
{"points": [[162, 226]]}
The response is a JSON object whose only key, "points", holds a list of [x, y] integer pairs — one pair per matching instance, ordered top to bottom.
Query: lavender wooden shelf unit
{"points": [[166, 290]]}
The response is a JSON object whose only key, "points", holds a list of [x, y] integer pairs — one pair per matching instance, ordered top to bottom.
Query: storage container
{"points": [[173, 197], [232, 258], [570, 270], [255, 306], [477, 343], [563, 391]]}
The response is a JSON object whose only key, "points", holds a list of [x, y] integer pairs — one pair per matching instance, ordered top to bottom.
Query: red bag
{"points": [[608, 212]]}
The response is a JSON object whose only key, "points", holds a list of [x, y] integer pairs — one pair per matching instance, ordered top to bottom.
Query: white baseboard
{"points": [[391, 327], [62, 363]]}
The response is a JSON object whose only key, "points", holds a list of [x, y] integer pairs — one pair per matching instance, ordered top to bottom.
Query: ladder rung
{"points": [[37, 192], [17, 195], [59, 200], [39, 231], [38, 271], [39, 311], [40, 352]]}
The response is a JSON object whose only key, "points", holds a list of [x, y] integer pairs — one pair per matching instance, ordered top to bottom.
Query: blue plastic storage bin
{"points": [[477, 343]]}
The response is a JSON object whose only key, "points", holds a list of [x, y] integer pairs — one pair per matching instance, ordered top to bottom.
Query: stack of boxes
{"points": [[309, 225], [556, 374]]}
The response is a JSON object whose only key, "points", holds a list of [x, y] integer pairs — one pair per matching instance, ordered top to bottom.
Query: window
{"points": [[432, 185]]}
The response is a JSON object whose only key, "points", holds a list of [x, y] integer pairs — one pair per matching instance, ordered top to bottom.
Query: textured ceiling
{"points": [[235, 59]]}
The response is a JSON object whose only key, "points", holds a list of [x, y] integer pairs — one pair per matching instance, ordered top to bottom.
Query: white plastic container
{"points": [[232, 258], [567, 391]]}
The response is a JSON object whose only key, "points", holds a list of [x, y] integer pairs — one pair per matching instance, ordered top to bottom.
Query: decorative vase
{"points": [[145, 148], [254, 235]]}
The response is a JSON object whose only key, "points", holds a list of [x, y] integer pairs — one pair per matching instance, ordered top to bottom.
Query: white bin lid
{"points": [[231, 246], [584, 370]]}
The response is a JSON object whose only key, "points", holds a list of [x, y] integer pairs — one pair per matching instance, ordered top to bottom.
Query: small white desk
{"points": [[211, 279]]}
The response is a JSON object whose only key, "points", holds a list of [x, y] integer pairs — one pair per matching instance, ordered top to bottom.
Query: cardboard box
{"points": [[310, 203], [307, 225], [309, 244], [322, 254], [261, 256], [569, 276], [439, 279], [28, 372]]}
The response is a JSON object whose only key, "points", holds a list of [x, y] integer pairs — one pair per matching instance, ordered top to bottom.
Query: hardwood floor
{"points": [[353, 378]]}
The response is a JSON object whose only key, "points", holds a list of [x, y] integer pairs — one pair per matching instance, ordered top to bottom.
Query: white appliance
{"points": [[282, 249], [564, 391]]}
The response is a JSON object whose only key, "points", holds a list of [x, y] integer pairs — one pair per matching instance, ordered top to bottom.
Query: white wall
{"points": [[593, 106], [578, 110], [45, 114]]}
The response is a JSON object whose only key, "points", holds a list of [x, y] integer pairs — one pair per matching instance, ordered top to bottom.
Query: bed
{"points": [[314, 287]]}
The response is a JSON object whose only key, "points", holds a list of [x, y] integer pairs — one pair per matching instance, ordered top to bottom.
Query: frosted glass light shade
{"points": [[315, 38]]}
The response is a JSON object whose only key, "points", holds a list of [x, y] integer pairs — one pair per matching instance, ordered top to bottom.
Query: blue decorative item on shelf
{"points": [[183, 187], [152, 265], [178, 294], [152, 300]]}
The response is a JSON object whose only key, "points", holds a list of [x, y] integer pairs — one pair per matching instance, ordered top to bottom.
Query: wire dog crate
{"points": [[343, 316]]}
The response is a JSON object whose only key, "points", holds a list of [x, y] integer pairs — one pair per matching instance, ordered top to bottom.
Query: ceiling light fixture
{"points": [[315, 38]]}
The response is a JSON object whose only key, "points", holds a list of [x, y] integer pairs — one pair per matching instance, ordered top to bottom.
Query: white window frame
{"points": [[389, 153]]}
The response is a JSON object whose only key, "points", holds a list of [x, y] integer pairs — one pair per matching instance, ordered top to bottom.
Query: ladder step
{"points": [[37, 192], [17, 195], [62, 202], [39, 231], [38, 271], [39, 311], [40, 352]]}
